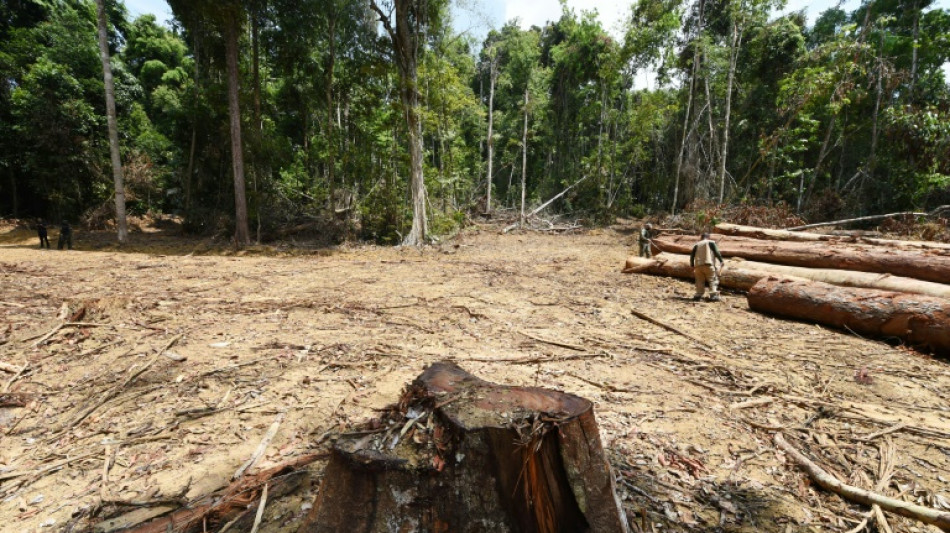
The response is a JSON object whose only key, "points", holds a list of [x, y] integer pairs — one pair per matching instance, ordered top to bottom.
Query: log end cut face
{"points": [[478, 404]]}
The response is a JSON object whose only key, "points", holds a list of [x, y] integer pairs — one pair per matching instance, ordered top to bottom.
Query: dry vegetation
{"points": [[171, 366]]}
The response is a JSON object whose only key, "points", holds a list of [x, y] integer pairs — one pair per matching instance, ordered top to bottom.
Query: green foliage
{"points": [[847, 116]]}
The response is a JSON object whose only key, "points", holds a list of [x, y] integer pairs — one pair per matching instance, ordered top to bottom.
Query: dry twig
{"points": [[261, 448], [855, 494]]}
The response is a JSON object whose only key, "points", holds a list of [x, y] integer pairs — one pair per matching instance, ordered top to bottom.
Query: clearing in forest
{"points": [[172, 367]]}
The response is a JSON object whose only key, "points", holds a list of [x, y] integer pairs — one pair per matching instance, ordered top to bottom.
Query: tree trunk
{"points": [[405, 43], [913, 51], [733, 57], [256, 68], [492, 76], [689, 104], [331, 146], [524, 154], [814, 174], [14, 196], [122, 227], [241, 233], [786, 235], [930, 265], [742, 275], [922, 321], [464, 455]]}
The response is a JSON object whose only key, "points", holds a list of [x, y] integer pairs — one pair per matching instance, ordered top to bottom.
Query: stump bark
{"points": [[929, 265], [922, 321], [459, 454]]}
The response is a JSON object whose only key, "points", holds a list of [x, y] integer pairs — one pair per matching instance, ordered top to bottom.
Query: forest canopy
{"points": [[361, 114]]}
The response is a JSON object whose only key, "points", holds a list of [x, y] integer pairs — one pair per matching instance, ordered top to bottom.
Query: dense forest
{"points": [[375, 118]]}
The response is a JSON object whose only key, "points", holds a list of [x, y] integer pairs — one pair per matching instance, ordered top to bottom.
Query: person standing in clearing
{"points": [[65, 236], [44, 237], [646, 238], [703, 260]]}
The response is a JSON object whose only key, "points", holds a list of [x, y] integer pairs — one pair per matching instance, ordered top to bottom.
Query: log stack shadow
{"points": [[460, 454]]}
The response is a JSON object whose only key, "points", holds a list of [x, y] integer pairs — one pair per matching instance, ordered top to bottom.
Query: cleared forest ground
{"points": [[329, 337]]}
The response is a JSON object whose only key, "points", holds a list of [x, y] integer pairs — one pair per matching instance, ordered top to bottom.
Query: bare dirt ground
{"points": [[324, 339]]}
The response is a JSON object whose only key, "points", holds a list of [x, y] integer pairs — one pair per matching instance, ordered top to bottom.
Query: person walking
{"points": [[43, 235], [65, 236], [646, 238], [703, 261]]}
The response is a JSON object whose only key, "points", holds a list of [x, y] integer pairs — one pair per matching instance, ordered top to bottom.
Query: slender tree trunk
{"points": [[405, 43], [256, 49], [913, 53], [733, 57], [493, 74], [879, 90], [689, 103], [331, 145], [713, 148], [524, 153], [821, 157], [679, 158], [189, 171], [14, 196], [123, 230], [241, 232]]}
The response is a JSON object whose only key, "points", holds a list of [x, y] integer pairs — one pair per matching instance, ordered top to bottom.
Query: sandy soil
{"points": [[326, 338]]}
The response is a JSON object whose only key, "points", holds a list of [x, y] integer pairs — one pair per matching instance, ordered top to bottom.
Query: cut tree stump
{"points": [[929, 265], [919, 320], [459, 454]]}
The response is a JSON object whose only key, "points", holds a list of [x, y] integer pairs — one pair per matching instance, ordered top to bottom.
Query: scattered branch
{"points": [[933, 213], [855, 494]]}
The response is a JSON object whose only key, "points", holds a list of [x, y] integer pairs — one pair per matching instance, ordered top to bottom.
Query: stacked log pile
{"points": [[895, 290]]}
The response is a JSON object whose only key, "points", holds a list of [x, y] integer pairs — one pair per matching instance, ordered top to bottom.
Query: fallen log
{"points": [[933, 213], [753, 232], [929, 265], [740, 274], [922, 321], [464, 455], [828, 482]]}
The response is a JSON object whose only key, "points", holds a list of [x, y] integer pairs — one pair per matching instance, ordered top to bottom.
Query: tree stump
{"points": [[459, 454]]}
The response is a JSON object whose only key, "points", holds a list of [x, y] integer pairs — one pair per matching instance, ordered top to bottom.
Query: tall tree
{"points": [[227, 16], [404, 23], [491, 54], [116, 156]]}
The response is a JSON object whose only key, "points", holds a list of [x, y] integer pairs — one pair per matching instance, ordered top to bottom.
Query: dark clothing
{"points": [[65, 237], [44, 239]]}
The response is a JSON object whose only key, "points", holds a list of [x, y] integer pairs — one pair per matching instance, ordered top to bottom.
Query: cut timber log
{"points": [[786, 235], [930, 265], [677, 266], [742, 275], [919, 320], [464, 455]]}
